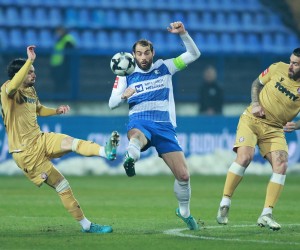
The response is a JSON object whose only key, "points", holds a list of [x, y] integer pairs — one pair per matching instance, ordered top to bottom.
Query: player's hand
{"points": [[176, 28], [30, 52], [127, 93], [63, 109], [258, 111], [290, 126]]}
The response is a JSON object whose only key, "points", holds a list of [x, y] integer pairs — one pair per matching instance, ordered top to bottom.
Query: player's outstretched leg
{"points": [[111, 146], [129, 165], [190, 221], [98, 229]]}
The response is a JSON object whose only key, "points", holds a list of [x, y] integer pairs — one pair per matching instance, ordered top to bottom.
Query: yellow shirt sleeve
{"points": [[266, 75], [13, 85], [44, 111]]}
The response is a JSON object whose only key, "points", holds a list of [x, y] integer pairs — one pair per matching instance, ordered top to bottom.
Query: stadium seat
{"points": [[137, 16], [178, 16], [12, 17], [27, 17], [41, 17], [55, 17], [71, 18], [98, 18], [111, 18], [164, 19], [84, 20], [151, 20], [193, 20], [125, 21], [207, 21], [233, 22], [31, 37], [16, 38], [3, 39], [46, 39], [116, 39], [129, 39], [87, 40], [102, 40], [159, 42], [226, 42], [239, 42], [267, 42], [212, 43], [253, 43]]}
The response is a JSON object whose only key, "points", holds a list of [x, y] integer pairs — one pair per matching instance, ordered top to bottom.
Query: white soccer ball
{"points": [[122, 64]]}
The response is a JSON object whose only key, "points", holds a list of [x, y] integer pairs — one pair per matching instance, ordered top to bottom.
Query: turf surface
{"points": [[142, 212]]}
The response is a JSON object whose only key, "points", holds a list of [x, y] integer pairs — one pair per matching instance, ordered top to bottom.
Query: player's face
{"points": [[143, 57], [294, 68], [30, 78]]}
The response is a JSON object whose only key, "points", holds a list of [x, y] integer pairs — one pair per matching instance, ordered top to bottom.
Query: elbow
{"points": [[197, 54]]}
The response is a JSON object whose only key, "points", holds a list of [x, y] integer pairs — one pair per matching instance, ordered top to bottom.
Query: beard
{"points": [[145, 65], [294, 76]]}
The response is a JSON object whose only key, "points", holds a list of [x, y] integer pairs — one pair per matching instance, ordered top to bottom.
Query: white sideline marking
{"points": [[178, 232]]}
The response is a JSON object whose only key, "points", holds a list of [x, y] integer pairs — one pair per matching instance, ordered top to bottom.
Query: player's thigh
{"points": [[246, 134], [272, 139], [53, 142], [177, 163], [34, 164]]}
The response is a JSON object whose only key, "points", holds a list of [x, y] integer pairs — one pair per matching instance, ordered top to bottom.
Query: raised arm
{"points": [[192, 52]]}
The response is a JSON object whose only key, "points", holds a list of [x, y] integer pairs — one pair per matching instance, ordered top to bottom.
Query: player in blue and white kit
{"points": [[152, 120]]}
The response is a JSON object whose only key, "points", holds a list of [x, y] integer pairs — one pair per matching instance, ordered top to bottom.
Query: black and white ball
{"points": [[122, 64]]}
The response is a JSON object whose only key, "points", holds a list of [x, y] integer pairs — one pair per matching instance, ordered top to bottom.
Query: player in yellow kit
{"points": [[275, 103], [32, 149]]}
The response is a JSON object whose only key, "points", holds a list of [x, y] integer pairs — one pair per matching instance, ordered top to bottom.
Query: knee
{"points": [[68, 143], [244, 160], [183, 176]]}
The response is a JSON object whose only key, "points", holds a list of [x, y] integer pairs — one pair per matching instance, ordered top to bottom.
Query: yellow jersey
{"points": [[280, 96], [20, 110]]}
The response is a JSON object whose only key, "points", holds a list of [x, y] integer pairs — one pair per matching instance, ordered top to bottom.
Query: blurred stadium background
{"points": [[239, 37]]}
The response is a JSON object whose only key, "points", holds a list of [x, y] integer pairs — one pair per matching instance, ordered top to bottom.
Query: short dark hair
{"points": [[144, 43], [296, 52], [14, 66]]}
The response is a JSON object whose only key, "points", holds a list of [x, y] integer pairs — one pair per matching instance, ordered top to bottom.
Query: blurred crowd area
{"points": [[240, 38]]}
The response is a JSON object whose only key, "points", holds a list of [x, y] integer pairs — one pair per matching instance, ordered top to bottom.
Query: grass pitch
{"points": [[142, 212]]}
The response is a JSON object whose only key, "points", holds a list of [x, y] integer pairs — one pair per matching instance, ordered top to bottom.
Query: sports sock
{"points": [[85, 148], [134, 149], [234, 176], [274, 189], [182, 191], [225, 201], [71, 204], [85, 223]]}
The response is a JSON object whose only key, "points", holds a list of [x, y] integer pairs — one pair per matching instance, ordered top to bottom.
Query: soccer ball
{"points": [[122, 64]]}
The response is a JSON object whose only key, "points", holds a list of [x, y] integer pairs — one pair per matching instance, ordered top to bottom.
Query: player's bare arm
{"points": [[30, 52], [127, 93], [257, 109], [291, 126]]}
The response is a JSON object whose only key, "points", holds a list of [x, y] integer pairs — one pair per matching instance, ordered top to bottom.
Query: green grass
{"points": [[141, 210]]}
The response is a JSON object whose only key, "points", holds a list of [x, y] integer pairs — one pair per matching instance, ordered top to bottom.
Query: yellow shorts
{"points": [[252, 132], [35, 161]]}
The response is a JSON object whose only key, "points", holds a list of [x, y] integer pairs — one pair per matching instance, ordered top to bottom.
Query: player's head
{"points": [[143, 53], [15, 65], [294, 68]]}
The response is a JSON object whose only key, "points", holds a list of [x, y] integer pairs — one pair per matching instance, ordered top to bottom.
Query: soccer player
{"points": [[149, 93], [275, 103], [32, 149]]}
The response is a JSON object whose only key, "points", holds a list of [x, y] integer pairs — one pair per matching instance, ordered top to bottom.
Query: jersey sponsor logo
{"points": [[266, 71], [116, 82], [139, 88], [285, 91], [27, 99], [241, 139]]}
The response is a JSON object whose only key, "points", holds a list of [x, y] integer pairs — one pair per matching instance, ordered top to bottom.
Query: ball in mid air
{"points": [[122, 64]]}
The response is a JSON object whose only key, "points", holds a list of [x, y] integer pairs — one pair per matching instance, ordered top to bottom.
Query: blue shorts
{"points": [[160, 135]]}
